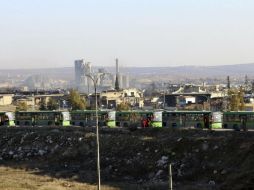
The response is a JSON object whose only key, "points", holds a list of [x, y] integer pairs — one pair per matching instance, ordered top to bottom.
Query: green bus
{"points": [[43, 118], [88, 118], [132, 118], [137, 118], [7, 119], [186, 119], [238, 120]]}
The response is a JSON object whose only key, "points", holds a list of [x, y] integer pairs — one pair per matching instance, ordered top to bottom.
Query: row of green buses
{"points": [[156, 118], [186, 119]]}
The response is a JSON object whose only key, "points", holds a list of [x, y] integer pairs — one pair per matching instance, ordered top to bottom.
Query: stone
{"points": [[55, 131], [178, 140], [205, 146], [215, 147], [42, 152], [10, 153], [28, 154], [163, 161], [179, 172], [223, 172], [158, 173], [151, 175], [75, 177], [211, 183]]}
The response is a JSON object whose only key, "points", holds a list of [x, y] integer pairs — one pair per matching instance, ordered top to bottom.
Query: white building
{"points": [[81, 69]]}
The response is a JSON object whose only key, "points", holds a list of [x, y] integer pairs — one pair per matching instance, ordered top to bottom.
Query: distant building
{"points": [[82, 68], [123, 81], [105, 82], [112, 98], [6, 99]]}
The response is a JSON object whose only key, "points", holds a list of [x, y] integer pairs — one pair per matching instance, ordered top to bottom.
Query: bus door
{"points": [[183, 117], [3, 119], [243, 120], [206, 121]]}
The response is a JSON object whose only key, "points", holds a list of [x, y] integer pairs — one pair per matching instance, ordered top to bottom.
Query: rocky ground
{"points": [[137, 159]]}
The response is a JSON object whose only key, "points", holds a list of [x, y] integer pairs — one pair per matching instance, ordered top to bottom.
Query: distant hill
{"points": [[179, 71], [194, 71], [62, 72]]}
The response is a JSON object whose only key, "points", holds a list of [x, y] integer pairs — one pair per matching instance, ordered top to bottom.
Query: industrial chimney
{"points": [[117, 76]]}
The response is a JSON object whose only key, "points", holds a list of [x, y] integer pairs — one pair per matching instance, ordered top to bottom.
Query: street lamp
{"points": [[95, 77], [164, 94]]}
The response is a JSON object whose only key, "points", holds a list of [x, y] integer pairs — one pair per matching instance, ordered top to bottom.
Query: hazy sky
{"points": [[53, 33]]}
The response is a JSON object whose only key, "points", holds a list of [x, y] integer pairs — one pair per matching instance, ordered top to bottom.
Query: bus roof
{"points": [[56, 111], [88, 111], [134, 111], [189, 112], [238, 112]]}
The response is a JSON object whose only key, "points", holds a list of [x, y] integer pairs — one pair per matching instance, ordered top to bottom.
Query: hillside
{"points": [[173, 71], [200, 159]]}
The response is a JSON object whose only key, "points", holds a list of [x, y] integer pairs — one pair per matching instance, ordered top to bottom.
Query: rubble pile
{"points": [[200, 159]]}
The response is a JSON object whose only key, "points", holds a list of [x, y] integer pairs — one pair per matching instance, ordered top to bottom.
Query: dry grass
{"points": [[17, 179]]}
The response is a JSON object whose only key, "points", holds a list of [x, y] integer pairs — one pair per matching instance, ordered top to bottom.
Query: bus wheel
{"points": [[174, 125], [225, 125], [199, 126], [133, 127], [236, 127]]}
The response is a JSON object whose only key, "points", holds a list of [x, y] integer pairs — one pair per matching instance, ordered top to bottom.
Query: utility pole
{"points": [[95, 77], [164, 94], [170, 182]]}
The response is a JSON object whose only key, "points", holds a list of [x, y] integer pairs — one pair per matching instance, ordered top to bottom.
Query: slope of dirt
{"points": [[200, 159]]}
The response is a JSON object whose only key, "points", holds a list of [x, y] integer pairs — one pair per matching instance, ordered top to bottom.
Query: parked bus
{"points": [[42, 118], [86, 118], [131, 118], [137, 118], [186, 119], [238, 120]]}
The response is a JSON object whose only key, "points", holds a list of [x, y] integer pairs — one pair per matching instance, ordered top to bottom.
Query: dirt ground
{"points": [[65, 158]]}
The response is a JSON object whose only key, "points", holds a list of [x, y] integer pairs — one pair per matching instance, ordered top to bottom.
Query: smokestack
{"points": [[117, 68], [117, 73], [228, 82]]}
